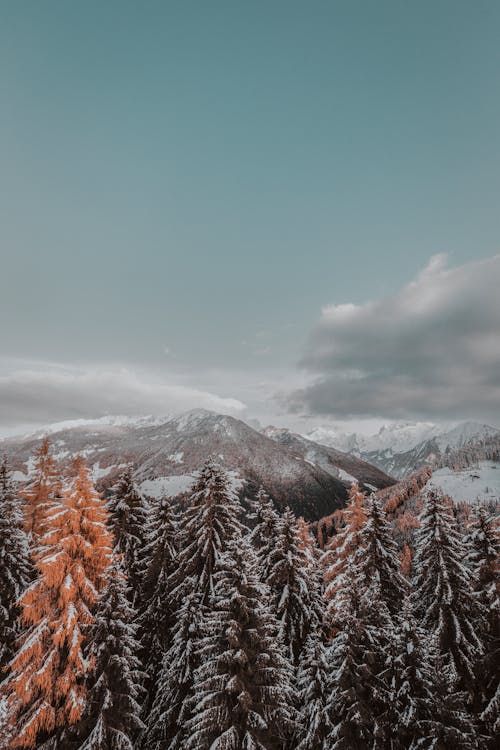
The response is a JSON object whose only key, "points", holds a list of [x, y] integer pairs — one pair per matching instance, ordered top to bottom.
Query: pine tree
{"points": [[44, 488], [128, 515], [267, 521], [206, 528], [484, 559], [14, 563], [159, 564], [295, 599], [444, 599], [45, 687], [313, 688], [243, 696], [360, 701], [424, 712], [111, 720], [167, 721]]}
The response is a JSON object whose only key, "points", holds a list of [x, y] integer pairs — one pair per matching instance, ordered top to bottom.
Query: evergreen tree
{"points": [[43, 490], [128, 516], [206, 528], [263, 536], [484, 556], [14, 563], [159, 563], [295, 598], [444, 598], [46, 685], [313, 688], [243, 696], [171, 710], [424, 712], [111, 720]]}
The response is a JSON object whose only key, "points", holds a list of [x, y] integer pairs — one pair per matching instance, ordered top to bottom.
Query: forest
{"points": [[219, 622]]}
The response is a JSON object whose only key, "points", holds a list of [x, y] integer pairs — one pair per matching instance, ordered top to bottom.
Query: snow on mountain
{"points": [[400, 449], [166, 452], [480, 484]]}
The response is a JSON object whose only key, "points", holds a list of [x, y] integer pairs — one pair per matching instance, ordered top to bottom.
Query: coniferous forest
{"points": [[216, 622]]}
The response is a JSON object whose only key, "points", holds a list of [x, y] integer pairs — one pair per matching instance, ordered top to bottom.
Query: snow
{"points": [[176, 458], [345, 477], [179, 484], [469, 485]]}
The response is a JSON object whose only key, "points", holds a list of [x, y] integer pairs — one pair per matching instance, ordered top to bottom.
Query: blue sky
{"points": [[185, 185]]}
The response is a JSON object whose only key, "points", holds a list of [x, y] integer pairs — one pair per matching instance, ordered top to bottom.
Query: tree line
{"points": [[208, 624]]}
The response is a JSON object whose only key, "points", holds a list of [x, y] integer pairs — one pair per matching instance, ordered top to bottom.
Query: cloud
{"points": [[431, 350], [37, 394]]}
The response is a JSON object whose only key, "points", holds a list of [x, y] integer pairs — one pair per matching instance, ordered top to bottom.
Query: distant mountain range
{"points": [[401, 449], [312, 479]]}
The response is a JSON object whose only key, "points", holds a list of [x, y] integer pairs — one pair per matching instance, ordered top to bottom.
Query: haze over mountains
{"points": [[402, 448]]}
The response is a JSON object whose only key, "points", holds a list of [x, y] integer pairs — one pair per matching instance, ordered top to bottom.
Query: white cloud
{"points": [[430, 350], [39, 393]]}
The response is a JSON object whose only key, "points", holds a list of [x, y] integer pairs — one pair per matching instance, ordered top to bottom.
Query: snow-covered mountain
{"points": [[400, 449], [166, 451]]}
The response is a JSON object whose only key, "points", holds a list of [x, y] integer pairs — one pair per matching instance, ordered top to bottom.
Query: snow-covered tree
{"points": [[128, 515], [267, 521], [209, 522], [206, 528], [484, 558], [14, 563], [159, 563], [295, 595], [444, 600], [46, 684], [313, 689], [243, 696], [111, 719], [166, 724]]}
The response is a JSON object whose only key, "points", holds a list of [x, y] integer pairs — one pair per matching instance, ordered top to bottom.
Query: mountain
{"points": [[401, 449], [166, 451], [339, 464]]}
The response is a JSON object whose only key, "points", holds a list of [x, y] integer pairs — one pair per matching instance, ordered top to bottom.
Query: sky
{"points": [[283, 210]]}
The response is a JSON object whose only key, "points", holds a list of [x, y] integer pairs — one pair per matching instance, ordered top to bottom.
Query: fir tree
{"points": [[128, 516], [206, 528], [263, 536], [484, 554], [14, 563], [159, 563], [295, 598], [444, 598], [46, 685], [313, 688], [243, 696], [111, 720], [167, 721]]}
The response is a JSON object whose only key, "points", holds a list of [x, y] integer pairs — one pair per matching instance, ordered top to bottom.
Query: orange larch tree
{"points": [[42, 490], [341, 547], [46, 685]]}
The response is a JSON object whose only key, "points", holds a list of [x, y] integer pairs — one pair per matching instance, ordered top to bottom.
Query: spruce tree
{"points": [[128, 515], [266, 524], [206, 528], [484, 555], [159, 563], [15, 568], [443, 593], [295, 598], [46, 684], [313, 690], [243, 696], [111, 720]]}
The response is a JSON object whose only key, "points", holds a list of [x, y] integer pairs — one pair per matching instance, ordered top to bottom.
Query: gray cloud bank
{"points": [[431, 350], [40, 394]]}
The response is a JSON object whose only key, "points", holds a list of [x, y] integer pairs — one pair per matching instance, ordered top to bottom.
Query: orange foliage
{"points": [[42, 490], [405, 557], [45, 688]]}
